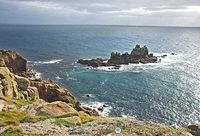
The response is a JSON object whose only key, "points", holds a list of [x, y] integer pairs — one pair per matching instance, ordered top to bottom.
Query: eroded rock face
{"points": [[138, 55], [15, 62], [15, 82], [8, 84], [12, 85], [53, 92]]}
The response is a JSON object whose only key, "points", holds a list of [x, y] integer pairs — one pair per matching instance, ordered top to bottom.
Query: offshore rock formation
{"points": [[138, 55]]}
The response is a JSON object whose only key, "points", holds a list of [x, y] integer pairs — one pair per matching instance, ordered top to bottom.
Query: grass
{"points": [[17, 102], [15, 118], [86, 118], [65, 123], [14, 131]]}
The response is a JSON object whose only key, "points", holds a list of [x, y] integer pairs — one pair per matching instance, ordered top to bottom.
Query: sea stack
{"points": [[138, 55]]}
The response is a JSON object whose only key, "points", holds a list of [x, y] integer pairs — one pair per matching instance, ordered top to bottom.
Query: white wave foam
{"points": [[46, 62], [164, 63], [38, 75], [57, 77], [70, 78], [96, 105], [128, 116]]}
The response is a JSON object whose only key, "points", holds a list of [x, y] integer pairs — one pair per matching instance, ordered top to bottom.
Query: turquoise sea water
{"points": [[167, 92]]}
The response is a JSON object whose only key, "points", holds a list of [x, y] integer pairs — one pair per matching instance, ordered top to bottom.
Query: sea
{"points": [[167, 92]]}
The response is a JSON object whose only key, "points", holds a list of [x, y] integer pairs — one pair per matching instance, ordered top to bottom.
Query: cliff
{"points": [[138, 55], [15, 62], [14, 83]]}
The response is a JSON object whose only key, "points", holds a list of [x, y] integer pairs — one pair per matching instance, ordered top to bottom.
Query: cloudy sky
{"points": [[106, 12]]}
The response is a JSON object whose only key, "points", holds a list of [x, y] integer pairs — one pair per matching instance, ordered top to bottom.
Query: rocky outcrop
{"points": [[138, 55], [15, 62], [93, 62], [12, 85], [53, 92], [55, 109], [195, 129]]}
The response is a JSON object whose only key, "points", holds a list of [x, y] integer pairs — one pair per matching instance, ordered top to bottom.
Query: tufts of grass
{"points": [[17, 102], [15, 118], [86, 118], [65, 123], [14, 131]]}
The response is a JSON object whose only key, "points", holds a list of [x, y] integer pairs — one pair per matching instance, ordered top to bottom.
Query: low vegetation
{"points": [[17, 102], [15, 118], [86, 118], [65, 123], [14, 131]]}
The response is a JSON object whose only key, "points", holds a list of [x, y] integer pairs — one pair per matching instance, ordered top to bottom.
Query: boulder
{"points": [[23, 83], [32, 93], [88, 95], [2, 104], [105, 105], [33, 108], [55, 109], [58, 109], [100, 109], [87, 110], [195, 129]]}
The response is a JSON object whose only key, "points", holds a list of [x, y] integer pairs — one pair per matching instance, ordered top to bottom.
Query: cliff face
{"points": [[15, 62], [12, 85], [53, 92]]}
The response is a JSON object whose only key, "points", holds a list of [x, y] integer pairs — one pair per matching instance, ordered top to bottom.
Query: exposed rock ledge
{"points": [[138, 55]]}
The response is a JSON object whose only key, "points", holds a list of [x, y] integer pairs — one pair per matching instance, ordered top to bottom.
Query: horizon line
{"points": [[98, 25]]}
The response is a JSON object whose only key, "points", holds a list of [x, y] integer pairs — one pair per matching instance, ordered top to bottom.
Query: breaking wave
{"points": [[54, 61]]}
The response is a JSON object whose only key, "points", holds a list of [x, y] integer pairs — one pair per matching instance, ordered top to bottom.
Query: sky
{"points": [[101, 12]]}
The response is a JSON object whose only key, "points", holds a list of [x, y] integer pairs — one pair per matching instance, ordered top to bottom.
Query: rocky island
{"points": [[138, 55], [30, 106]]}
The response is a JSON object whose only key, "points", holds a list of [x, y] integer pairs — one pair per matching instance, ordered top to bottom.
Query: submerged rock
{"points": [[88, 95], [100, 109]]}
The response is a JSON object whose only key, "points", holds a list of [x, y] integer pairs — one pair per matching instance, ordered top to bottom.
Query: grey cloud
{"points": [[135, 12]]}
